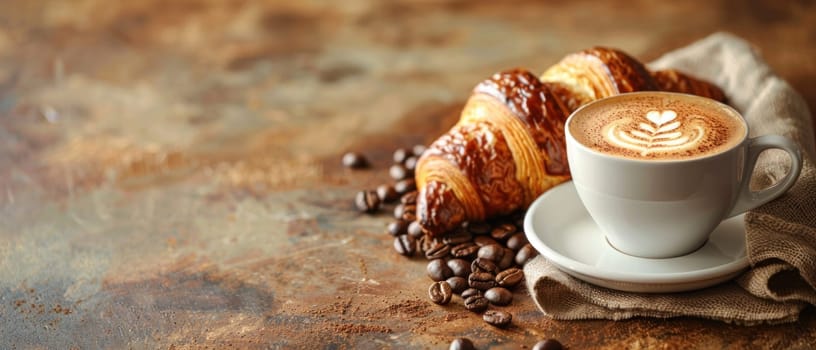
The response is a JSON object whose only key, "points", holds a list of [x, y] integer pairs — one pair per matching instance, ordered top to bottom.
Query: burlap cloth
{"points": [[781, 235]]}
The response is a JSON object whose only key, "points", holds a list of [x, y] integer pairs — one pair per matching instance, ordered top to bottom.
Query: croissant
{"points": [[508, 146]]}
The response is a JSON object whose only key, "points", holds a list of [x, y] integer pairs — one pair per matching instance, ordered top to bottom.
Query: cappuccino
{"points": [[658, 126]]}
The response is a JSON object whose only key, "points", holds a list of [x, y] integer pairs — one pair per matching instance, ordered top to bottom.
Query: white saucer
{"points": [[559, 227]]}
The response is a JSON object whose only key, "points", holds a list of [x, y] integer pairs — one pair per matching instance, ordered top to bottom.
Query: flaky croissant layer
{"points": [[509, 145]]}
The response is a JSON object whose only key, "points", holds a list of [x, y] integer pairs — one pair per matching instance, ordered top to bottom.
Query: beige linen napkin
{"points": [[781, 235]]}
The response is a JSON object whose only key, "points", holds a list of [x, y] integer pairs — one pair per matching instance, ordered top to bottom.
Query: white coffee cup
{"points": [[661, 208]]}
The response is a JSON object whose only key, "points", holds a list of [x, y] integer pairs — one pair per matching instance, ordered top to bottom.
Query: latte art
{"points": [[657, 127], [657, 131]]}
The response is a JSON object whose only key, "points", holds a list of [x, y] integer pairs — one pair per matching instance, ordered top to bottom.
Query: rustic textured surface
{"points": [[169, 171]]}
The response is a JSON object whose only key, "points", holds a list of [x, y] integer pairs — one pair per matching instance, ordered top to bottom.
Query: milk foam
{"points": [[657, 127]]}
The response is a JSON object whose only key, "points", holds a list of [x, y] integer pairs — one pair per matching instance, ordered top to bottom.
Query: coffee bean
{"points": [[418, 149], [400, 155], [354, 160], [410, 163], [398, 172], [405, 186], [387, 193], [409, 198], [367, 201], [398, 210], [404, 210], [397, 227], [478, 228], [415, 229], [503, 232], [457, 237], [484, 240], [516, 241], [424, 243], [405, 245], [437, 250], [464, 250], [491, 252], [525, 254], [507, 260], [484, 265], [460, 267], [438, 270], [509, 278], [482, 280], [457, 284], [440, 292], [470, 292], [498, 296], [476, 303], [497, 318], [461, 344], [548, 344]]}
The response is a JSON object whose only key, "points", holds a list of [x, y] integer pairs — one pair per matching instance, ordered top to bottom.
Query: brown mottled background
{"points": [[170, 178]]}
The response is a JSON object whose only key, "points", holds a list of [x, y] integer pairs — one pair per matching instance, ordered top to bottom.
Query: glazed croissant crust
{"points": [[508, 146]]}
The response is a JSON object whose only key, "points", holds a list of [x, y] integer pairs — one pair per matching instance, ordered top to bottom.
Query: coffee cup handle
{"points": [[747, 199]]}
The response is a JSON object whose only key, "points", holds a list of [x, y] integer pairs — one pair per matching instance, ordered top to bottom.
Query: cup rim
{"points": [[571, 139]]}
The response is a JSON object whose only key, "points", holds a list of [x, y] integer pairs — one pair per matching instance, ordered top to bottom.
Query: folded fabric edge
{"points": [[796, 261], [576, 304]]}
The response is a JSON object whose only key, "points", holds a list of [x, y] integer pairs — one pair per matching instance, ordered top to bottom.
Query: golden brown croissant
{"points": [[508, 146]]}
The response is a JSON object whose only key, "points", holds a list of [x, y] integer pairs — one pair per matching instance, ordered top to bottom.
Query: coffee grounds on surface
{"points": [[488, 255]]}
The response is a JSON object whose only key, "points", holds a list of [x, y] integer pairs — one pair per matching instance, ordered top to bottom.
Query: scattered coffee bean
{"points": [[418, 149], [400, 155], [354, 160], [410, 163], [398, 172], [405, 186], [387, 193], [409, 198], [367, 201], [401, 211], [409, 214], [397, 227], [479, 228], [415, 229], [503, 232], [457, 237], [484, 240], [516, 241], [425, 243], [405, 245], [437, 250], [464, 250], [491, 252], [525, 254], [507, 260], [484, 265], [460, 267], [438, 270], [509, 278], [482, 280], [457, 284], [440, 292], [470, 292], [498, 296], [476, 303], [497, 318], [461, 344], [548, 344]]}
